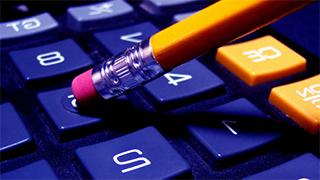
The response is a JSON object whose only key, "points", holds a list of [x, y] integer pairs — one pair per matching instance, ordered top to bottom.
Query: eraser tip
{"points": [[83, 89]]}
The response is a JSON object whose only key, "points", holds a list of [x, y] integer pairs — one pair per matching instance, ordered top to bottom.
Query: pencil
{"points": [[212, 27]]}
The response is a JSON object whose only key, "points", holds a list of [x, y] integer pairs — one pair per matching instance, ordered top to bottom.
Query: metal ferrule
{"points": [[127, 70]]}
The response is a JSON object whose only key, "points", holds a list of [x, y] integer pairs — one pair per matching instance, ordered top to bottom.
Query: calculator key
{"points": [[165, 7], [93, 16], [180, 17], [35, 25], [290, 27], [119, 39], [260, 60], [50, 61], [186, 81], [300, 101], [61, 107], [14, 135], [232, 136], [143, 154], [303, 167], [37, 170]]}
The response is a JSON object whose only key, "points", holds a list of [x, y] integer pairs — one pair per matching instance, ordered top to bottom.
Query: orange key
{"points": [[260, 60], [300, 101]]}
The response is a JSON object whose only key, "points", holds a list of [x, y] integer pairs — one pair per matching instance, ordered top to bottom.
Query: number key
{"points": [[49, 61], [188, 80], [61, 107], [62, 110], [242, 128], [143, 154]]}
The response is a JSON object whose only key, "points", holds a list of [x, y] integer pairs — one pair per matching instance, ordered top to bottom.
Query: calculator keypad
{"points": [[213, 117]]}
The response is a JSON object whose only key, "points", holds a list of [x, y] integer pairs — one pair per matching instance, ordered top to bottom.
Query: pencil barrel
{"points": [[216, 25]]}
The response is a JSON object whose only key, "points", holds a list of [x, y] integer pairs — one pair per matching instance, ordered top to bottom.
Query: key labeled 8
{"points": [[50, 58]]}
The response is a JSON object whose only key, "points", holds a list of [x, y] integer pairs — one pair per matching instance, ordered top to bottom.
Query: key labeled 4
{"points": [[260, 60], [301, 102]]}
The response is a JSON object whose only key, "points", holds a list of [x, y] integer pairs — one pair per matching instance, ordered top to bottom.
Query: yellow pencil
{"points": [[209, 28]]}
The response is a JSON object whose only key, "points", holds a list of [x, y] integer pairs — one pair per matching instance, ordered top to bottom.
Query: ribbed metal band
{"points": [[133, 67]]}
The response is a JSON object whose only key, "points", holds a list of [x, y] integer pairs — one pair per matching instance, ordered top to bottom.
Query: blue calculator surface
{"points": [[198, 121]]}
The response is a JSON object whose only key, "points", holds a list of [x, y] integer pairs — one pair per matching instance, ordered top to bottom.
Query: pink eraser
{"points": [[84, 90]]}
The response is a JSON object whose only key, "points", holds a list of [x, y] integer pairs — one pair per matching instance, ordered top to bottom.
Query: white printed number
{"points": [[27, 24], [263, 54], [50, 58], [174, 79], [143, 161]]}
